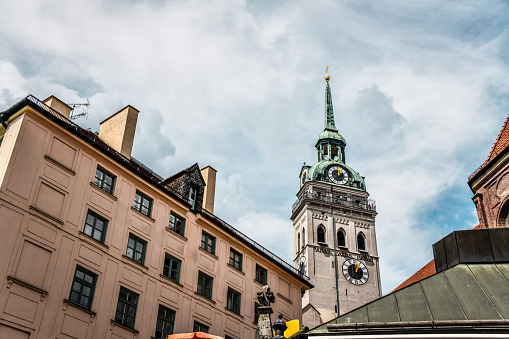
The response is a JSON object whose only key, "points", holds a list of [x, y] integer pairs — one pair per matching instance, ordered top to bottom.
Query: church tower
{"points": [[334, 227]]}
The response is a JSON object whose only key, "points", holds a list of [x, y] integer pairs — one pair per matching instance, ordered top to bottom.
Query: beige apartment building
{"points": [[93, 244]]}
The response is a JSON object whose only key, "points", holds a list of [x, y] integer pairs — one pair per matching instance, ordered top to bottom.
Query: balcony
{"points": [[344, 200]]}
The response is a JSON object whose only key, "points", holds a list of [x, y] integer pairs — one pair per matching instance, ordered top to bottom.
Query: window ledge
{"points": [[54, 162], [103, 191], [143, 215], [58, 221], [176, 234], [91, 241], [321, 243], [343, 248], [211, 254], [131, 262], [236, 269], [11, 280], [171, 281], [205, 298], [285, 299], [80, 307], [233, 313], [114, 323]]}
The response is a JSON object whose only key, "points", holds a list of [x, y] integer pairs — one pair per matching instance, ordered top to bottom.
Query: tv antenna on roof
{"points": [[83, 113]]}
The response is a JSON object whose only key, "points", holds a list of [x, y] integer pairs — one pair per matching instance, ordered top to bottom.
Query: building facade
{"points": [[334, 228], [96, 245]]}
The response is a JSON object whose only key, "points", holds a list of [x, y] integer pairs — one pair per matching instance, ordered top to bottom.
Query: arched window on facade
{"points": [[320, 234], [303, 236], [341, 238], [361, 242], [298, 243]]}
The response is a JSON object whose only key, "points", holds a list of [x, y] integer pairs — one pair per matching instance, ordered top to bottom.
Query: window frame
{"points": [[101, 182], [192, 201], [141, 206], [96, 217], [173, 227], [318, 230], [343, 234], [361, 235], [204, 244], [134, 249], [232, 261], [169, 267], [263, 278], [206, 282], [83, 283], [233, 300], [129, 304], [164, 320], [200, 327]]}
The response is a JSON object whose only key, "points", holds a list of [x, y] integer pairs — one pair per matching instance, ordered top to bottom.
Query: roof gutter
{"points": [[432, 323]]}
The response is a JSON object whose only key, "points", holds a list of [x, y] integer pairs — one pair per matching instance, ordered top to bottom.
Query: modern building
{"points": [[334, 228], [96, 245]]}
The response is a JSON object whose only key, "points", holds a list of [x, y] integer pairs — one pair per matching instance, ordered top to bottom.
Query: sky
{"points": [[419, 88]]}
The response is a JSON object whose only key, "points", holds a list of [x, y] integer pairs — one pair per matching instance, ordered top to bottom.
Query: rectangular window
{"points": [[104, 180], [192, 197], [142, 203], [177, 224], [95, 226], [208, 242], [136, 248], [235, 259], [171, 268], [261, 275], [205, 285], [83, 286], [233, 300], [126, 307], [256, 312], [165, 322], [199, 327]]}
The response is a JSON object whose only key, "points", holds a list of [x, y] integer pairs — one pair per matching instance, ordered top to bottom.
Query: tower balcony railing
{"points": [[345, 200]]}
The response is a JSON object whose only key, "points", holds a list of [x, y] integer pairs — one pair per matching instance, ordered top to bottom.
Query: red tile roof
{"points": [[500, 145]]}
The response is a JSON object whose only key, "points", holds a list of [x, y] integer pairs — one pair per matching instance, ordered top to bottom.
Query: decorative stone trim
{"points": [[54, 162], [103, 191], [143, 215], [320, 216], [58, 221], [342, 221], [361, 224], [175, 234], [91, 241], [207, 252], [131, 262], [236, 269], [11, 280], [171, 281], [205, 298], [285, 298], [79, 307], [231, 313], [113, 323]]}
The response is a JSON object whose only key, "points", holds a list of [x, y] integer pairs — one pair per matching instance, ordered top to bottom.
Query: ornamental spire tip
{"points": [[327, 77]]}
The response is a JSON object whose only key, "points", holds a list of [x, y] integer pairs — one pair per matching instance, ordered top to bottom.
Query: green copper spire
{"points": [[329, 110]]}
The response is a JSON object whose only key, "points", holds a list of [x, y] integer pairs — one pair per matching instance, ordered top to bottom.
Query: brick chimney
{"points": [[58, 105], [118, 130], [209, 175]]}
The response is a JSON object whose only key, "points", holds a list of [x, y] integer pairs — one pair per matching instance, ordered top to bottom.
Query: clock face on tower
{"points": [[338, 175], [355, 271]]}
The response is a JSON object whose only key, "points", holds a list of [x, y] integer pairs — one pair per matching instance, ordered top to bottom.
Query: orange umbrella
{"points": [[196, 335]]}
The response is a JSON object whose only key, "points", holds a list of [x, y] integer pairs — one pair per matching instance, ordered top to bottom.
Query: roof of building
{"points": [[499, 146], [147, 174], [462, 294]]}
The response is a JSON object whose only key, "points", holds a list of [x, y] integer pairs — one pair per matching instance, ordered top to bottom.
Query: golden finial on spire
{"points": [[327, 77]]}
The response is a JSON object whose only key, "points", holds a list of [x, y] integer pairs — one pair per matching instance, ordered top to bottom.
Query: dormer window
{"points": [[192, 196]]}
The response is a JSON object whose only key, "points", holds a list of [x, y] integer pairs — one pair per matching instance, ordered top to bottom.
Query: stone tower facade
{"points": [[334, 228]]}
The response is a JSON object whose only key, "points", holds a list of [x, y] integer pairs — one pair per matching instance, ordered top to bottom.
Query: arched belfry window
{"points": [[320, 234], [303, 237], [341, 238], [361, 242], [298, 243]]}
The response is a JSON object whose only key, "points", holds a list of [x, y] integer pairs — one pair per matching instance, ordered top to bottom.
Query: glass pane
{"points": [[90, 219], [99, 225], [88, 230], [98, 235], [131, 242], [139, 247], [130, 253], [80, 274], [89, 278], [86, 291], [74, 296]]}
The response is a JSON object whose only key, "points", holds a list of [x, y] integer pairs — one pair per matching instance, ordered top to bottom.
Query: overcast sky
{"points": [[420, 92]]}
